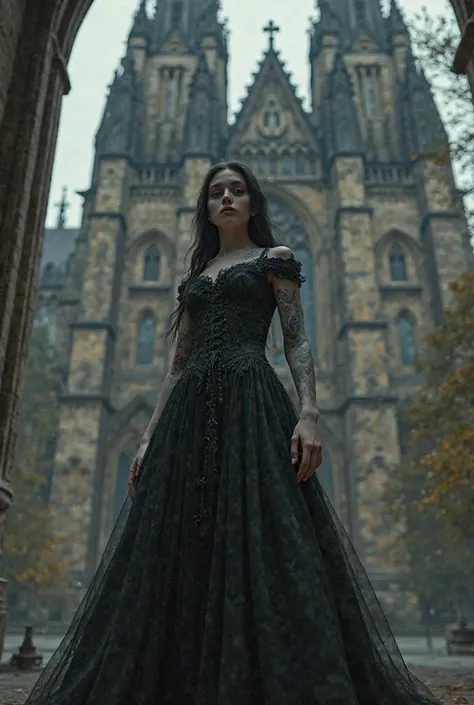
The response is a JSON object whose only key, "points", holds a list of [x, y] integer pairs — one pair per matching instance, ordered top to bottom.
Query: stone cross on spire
{"points": [[271, 29], [62, 206]]}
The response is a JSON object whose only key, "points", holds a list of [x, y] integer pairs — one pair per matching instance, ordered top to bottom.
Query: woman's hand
{"points": [[307, 442], [135, 468]]}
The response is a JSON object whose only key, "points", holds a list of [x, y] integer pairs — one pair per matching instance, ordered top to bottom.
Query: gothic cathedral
{"points": [[353, 189]]}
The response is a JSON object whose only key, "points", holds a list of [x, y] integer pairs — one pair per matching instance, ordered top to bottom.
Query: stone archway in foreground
{"points": [[36, 39]]}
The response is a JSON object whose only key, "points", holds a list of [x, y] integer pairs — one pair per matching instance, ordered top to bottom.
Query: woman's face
{"points": [[228, 200]]}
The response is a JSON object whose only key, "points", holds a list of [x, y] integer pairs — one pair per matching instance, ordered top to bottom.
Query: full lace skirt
{"points": [[263, 603]]}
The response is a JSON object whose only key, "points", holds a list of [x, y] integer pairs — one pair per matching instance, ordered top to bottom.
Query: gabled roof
{"points": [[365, 33], [176, 41], [271, 69]]}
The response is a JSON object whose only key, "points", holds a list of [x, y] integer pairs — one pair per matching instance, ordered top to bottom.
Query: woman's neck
{"points": [[233, 242]]}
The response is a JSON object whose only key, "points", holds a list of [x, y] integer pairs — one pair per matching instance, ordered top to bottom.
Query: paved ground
{"points": [[450, 678], [451, 687]]}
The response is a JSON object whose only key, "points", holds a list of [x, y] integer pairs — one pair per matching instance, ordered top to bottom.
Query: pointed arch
{"points": [[312, 222], [294, 235], [393, 235], [161, 257], [399, 257], [407, 339], [145, 341], [124, 432]]}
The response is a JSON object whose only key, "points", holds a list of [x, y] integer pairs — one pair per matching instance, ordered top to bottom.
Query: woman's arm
{"points": [[297, 349], [180, 360]]}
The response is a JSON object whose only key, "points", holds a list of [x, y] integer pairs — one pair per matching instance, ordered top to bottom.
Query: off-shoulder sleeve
{"points": [[289, 268]]}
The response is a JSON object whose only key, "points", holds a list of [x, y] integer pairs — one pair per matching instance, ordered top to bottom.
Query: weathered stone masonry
{"points": [[352, 187]]}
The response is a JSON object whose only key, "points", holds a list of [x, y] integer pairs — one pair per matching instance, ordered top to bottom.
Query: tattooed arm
{"points": [[297, 349], [180, 360], [306, 446]]}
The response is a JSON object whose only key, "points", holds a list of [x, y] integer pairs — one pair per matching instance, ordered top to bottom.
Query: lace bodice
{"points": [[231, 316], [230, 319]]}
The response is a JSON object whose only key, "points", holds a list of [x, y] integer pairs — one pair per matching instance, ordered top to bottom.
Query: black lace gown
{"points": [[225, 582]]}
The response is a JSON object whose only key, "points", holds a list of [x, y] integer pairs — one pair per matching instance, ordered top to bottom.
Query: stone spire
{"points": [[361, 15], [189, 18], [141, 23], [396, 23], [329, 24], [209, 25], [202, 80], [341, 120], [422, 121], [118, 128], [202, 128]]}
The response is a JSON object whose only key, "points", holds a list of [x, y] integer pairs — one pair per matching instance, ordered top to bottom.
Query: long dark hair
{"points": [[205, 243]]}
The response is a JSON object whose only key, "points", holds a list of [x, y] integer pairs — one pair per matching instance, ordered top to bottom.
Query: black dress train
{"points": [[225, 582]]}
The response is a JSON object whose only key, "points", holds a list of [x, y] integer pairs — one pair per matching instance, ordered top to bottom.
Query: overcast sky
{"points": [[100, 44]]}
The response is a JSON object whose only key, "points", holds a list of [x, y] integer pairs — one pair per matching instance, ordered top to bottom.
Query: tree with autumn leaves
{"points": [[442, 413], [431, 494], [31, 562]]}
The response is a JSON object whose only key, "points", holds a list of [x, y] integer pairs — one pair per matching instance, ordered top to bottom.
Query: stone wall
{"points": [[358, 361]]}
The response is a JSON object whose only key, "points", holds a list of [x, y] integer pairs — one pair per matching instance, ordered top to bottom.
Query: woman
{"points": [[231, 582]]}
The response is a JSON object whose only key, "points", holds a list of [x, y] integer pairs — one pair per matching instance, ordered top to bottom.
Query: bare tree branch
{"points": [[435, 40]]}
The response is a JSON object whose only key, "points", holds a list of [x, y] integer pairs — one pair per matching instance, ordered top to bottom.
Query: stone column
{"points": [[28, 130], [195, 168], [444, 232], [86, 407], [368, 408]]}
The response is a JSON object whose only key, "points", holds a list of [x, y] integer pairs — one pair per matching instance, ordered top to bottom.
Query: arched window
{"points": [[370, 91], [272, 116], [261, 163], [300, 163], [273, 164], [286, 164], [294, 235], [151, 265], [398, 267], [146, 339], [407, 340], [121, 482]]}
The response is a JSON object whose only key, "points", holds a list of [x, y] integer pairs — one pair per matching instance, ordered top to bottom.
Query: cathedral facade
{"points": [[355, 189]]}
